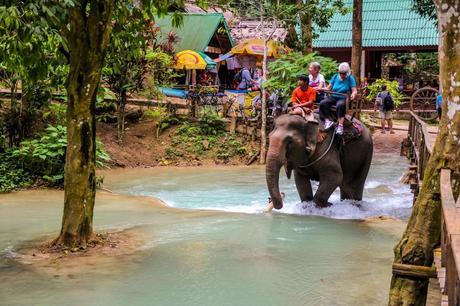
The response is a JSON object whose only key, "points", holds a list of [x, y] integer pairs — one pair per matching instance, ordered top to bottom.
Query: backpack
{"points": [[239, 76], [388, 103]]}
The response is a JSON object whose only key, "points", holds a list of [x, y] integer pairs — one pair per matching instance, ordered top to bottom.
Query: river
{"points": [[215, 246]]}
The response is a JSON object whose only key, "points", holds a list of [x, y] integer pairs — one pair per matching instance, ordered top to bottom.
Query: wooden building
{"points": [[388, 26]]}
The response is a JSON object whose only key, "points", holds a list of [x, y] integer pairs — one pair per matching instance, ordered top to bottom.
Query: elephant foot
{"points": [[323, 205]]}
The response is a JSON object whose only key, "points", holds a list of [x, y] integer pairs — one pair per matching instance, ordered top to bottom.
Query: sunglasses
{"points": [[342, 73]]}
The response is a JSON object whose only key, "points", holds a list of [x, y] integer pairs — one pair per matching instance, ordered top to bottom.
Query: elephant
{"points": [[301, 146]]}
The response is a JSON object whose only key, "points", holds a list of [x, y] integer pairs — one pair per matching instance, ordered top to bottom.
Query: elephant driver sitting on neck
{"points": [[303, 98]]}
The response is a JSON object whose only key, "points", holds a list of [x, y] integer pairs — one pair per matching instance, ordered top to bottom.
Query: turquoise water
{"points": [[244, 190], [196, 257]]}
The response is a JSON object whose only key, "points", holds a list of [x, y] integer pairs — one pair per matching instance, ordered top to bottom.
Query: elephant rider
{"points": [[343, 83], [303, 98]]}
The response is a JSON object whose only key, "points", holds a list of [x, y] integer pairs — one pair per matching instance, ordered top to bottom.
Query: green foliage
{"points": [[425, 8], [291, 14], [30, 46], [417, 66], [284, 71], [160, 72], [392, 87], [56, 113], [161, 117], [210, 122], [205, 138], [230, 147], [44, 157], [41, 158], [12, 178]]}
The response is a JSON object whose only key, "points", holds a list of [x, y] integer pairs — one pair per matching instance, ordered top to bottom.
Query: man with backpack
{"points": [[243, 77], [384, 101]]}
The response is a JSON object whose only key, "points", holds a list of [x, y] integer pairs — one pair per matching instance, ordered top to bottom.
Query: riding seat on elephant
{"points": [[305, 148]]}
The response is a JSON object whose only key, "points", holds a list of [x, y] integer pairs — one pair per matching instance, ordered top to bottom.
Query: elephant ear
{"points": [[311, 136], [288, 169]]}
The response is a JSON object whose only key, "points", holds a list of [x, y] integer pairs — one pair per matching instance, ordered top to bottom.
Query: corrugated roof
{"points": [[386, 23], [196, 31]]}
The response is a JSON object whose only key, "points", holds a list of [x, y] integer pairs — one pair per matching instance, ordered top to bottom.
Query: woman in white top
{"points": [[316, 79]]}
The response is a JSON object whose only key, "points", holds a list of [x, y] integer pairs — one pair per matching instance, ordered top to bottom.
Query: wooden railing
{"points": [[420, 148], [419, 151], [450, 240]]}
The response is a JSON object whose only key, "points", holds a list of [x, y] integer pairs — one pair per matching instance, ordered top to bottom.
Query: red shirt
{"points": [[300, 96]]}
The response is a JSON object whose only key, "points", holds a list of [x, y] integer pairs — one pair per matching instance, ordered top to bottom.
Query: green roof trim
{"points": [[386, 23], [196, 31]]}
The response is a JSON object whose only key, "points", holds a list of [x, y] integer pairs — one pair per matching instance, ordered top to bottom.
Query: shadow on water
{"points": [[196, 257]]}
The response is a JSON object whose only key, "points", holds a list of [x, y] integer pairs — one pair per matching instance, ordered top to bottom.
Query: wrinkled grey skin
{"points": [[287, 147]]}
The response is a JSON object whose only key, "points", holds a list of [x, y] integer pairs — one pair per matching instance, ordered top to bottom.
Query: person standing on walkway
{"points": [[384, 102], [439, 105]]}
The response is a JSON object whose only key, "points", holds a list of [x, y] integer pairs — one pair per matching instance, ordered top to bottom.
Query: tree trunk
{"points": [[90, 26], [306, 26], [307, 33], [357, 39], [121, 115], [263, 129], [423, 230]]}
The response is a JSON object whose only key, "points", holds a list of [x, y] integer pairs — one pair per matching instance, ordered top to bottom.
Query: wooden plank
{"points": [[428, 139], [414, 271]]}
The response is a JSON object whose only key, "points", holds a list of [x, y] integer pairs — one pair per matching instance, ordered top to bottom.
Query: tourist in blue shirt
{"points": [[342, 82], [439, 105]]}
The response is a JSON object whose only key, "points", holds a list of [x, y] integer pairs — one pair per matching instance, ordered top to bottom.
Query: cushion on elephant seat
{"points": [[352, 129]]}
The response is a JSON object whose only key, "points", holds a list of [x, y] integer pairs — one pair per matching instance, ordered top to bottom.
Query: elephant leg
{"points": [[328, 182], [303, 185], [353, 187], [353, 190], [348, 192]]}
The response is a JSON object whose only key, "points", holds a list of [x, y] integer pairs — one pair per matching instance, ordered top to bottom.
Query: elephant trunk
{"points": [[275, 159]]}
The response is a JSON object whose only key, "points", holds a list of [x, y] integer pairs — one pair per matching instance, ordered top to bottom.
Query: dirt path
{"points": [[388, 143]]}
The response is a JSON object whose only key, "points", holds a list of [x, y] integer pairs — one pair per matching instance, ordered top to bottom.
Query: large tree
{"points": [[314, 17], [88, 35], [357, 39], [422, 234]]}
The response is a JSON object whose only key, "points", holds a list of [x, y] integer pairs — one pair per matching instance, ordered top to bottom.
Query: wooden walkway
{"points": [[420, 143]]}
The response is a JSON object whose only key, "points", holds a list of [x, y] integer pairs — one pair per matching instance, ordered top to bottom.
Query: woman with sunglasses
{"points": [[342, 83]]}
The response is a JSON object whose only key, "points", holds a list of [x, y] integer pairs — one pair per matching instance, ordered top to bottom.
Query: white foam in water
{"points": [[246, 192]]}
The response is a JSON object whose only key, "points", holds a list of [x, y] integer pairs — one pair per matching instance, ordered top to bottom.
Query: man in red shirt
{"points": [[303, 98]]}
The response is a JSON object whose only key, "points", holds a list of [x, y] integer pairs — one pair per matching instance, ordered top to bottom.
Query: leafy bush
{"points": [[284, 71], [392, 87], [55, 112], [161, 117], [210, 122], [207, 137], [230, 147], [42, 158], [12, 178]]}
